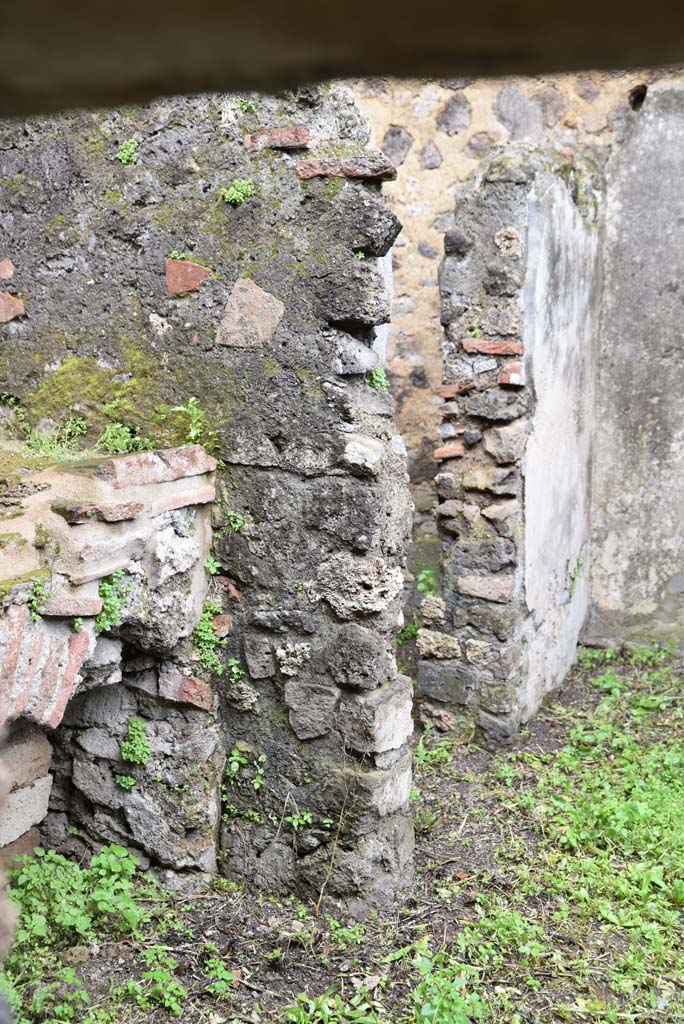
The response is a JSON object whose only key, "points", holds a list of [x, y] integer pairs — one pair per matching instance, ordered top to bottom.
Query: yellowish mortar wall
{"points": [[585, 113]]}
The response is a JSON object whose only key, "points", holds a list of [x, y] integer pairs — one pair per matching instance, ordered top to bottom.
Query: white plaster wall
{"points": [[561, 300], [638, 515]]}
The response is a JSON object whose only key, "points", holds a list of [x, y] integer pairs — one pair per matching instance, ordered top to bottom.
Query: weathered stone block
{"points": [[251, 317], [495, 404], [507, 444], [363, 455], [493, 479], [74, 512], [354, 586], [499, 588], [433, 644], [259, 656], [359, 658], [448, 681], [182, 688], [312, 708], [379, 720], [25, 756], [24, 808]]}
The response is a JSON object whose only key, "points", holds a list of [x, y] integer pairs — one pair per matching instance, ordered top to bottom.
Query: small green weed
{"points": [[245, 106], [128, 151], [238, 192], [377, 378], [197, 429], [118, 439], [60, 445], [234, 522], [212, 565], [426, 582], [113, 591], [38, 598], [409, 633], [207, 642], [135, 748], [429, 754], [125, 781], [300, 820], [158, 987], [442, 996], [333, 1009]]}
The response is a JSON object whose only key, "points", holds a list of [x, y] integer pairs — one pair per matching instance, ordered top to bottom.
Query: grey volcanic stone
{"points": [[518, 113], [454, 117], [396, 143]]}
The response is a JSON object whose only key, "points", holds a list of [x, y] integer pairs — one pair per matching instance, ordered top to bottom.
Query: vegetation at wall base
{"points": [[549, 889]]}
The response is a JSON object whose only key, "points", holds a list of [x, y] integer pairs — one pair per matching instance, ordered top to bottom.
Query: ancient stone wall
{"points": [[437, 133], [225, 255], [519, 291], [106, 557]]}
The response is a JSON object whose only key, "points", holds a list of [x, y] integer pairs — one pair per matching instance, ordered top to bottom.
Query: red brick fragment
{"points": [[294, 136], [367, 167], [6, 269], [184, 276], [10, 307], [491, 347], [512, 374], [451, 390], [449, 451], [156, 467], [183, 499], [75, 513], [228, 585], [66, 607], [222, 624], [79, 648], [186, 690], [21, 847]]}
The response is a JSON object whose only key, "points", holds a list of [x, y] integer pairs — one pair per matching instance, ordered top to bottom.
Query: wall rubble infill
{"points": [[282, 200]]}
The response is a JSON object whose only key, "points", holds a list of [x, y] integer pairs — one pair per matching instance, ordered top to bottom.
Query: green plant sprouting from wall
{"points": [[128, 151], [239, 190], [377, 378], [197, 429], [119, 439], [59, 445], [426, 582], [113, 591], [37, 599], [207, 641], [135, 748], [126, 782]]}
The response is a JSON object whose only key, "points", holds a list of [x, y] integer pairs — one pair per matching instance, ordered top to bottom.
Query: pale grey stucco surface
{"points": [[560, 315], [638, 502]]}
